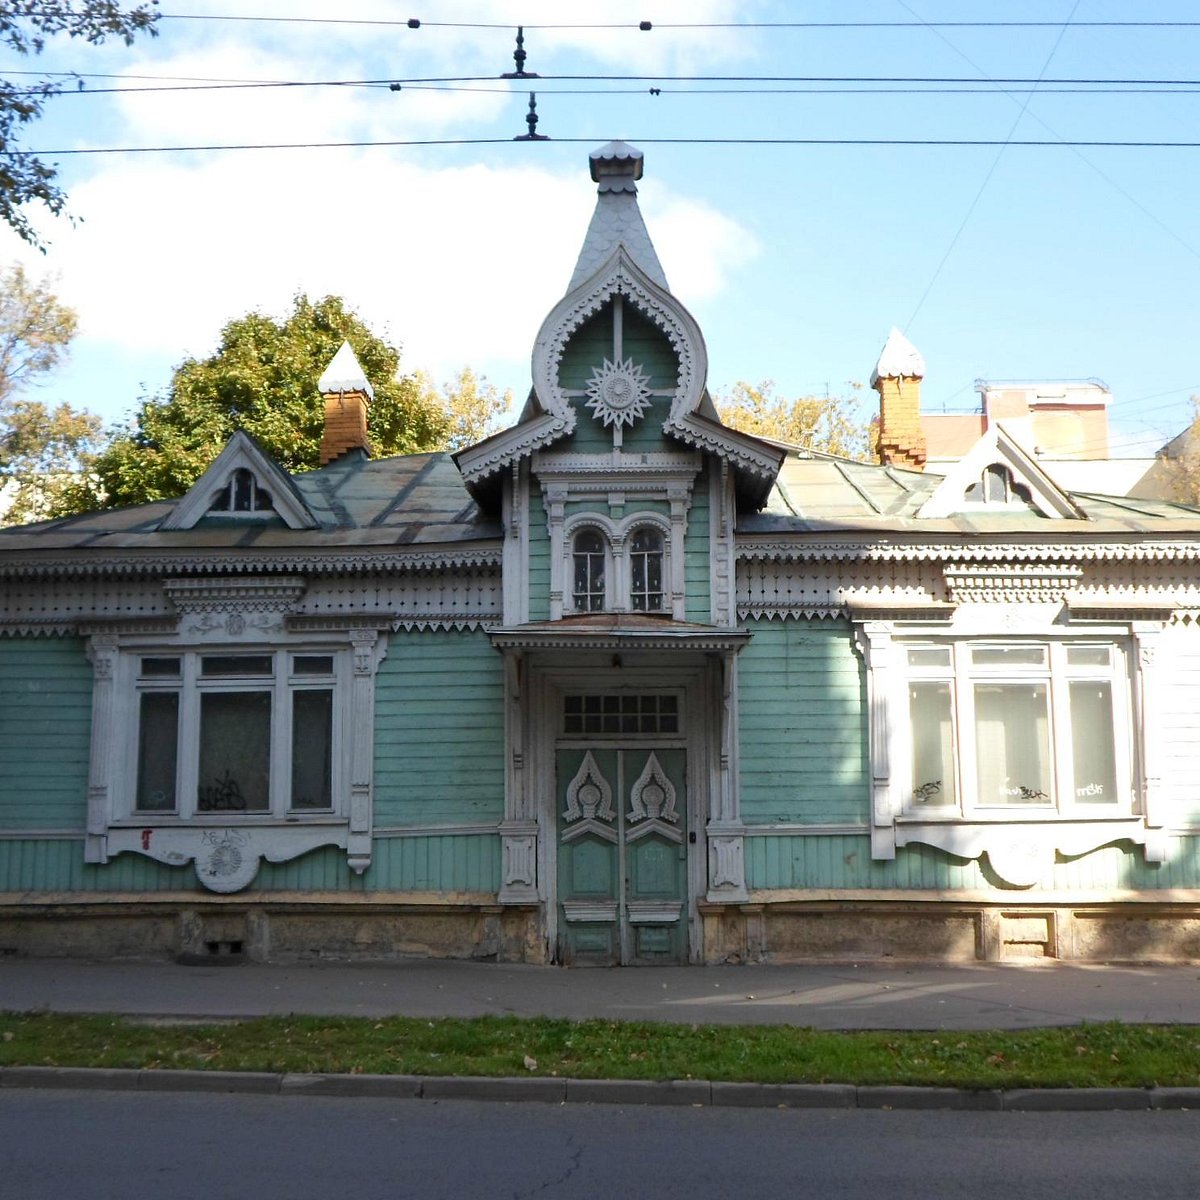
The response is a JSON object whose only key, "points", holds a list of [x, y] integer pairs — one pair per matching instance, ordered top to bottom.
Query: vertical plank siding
{"points": [[802, 723], [439, 730], [45, 732], [844, 861]]}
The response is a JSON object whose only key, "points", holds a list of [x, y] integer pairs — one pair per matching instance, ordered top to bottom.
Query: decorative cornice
{"points": [[726, 444], [478, 462], [802, 547], [97, 562], [1004, 583], [270, 594], [614, 639]]}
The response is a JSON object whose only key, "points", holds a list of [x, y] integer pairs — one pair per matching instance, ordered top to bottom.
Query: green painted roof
{"points": [[818, 493], [414, 501]]}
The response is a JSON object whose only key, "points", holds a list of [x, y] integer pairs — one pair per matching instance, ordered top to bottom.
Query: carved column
{"points": [[678, 496], [555, 499], [874, 640], [369, 651], [102, 653], [519, 829], [725, 832]]}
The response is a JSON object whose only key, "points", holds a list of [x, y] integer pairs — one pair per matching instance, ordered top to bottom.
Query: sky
{"points": [[796, 246]]}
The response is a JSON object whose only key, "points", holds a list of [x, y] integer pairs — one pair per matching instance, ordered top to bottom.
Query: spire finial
{"points": [[519, 57], [531, 119]]}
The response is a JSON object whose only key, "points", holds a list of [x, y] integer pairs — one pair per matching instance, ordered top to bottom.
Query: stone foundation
{"points": [[296, 929], [270, 930], [942, 931]]}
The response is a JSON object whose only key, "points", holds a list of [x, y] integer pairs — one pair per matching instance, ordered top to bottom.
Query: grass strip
{"points": [[1102, 1055]]}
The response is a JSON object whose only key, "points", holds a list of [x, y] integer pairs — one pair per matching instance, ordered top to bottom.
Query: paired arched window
{"points": [[242, 495], [636, 584]]}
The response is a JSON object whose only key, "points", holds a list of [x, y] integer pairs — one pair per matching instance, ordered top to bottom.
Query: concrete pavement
{"points": [[824, 996]]}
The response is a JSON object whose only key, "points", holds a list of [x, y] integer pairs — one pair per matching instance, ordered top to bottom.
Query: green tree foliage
{"points": [[24, 27], [263, 379], [830, 424], [43, 448]]}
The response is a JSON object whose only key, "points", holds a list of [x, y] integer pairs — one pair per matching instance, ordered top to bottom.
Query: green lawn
{"points": [[1108, 1055]]}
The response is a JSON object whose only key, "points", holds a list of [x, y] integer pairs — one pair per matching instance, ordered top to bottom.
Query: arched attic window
{"points": [[997, 488], [242, 495]]}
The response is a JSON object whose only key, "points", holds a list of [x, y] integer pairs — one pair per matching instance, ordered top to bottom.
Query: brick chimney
{"points": [[897, 378], [347, 391]]}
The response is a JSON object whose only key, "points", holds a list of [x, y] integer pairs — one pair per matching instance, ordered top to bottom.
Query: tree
{"points": [[24, 27], [263, 379], [473, 406], [830, 424], [42, 448], [1178, 466]]}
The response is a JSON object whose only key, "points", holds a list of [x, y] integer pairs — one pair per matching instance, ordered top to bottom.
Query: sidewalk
{"points": [[823, 996]]}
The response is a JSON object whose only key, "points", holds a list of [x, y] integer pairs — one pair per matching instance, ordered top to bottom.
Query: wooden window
{"points": [[589, 560], [646, 571], [1000, 727], [238, 733]]}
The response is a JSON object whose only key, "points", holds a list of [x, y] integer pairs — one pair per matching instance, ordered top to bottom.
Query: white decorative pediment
{"points": [[997, 475], [242, 483], [652, 804]]}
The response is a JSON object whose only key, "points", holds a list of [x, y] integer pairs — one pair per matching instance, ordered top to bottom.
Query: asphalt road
{"points": [[111, 1146]]}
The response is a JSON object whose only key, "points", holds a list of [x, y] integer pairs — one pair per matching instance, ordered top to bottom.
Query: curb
{"points": [[546, 1090]]}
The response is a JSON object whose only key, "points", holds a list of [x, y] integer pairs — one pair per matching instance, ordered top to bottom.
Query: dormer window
{"points": [[997, 488], [242, 495]]}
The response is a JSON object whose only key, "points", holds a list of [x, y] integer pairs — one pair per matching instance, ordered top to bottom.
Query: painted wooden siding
{"points": [[588, 347], [649, 347], [696, 562], [1178, 705], [802, 716], [439, 730], [45, 732], [844, 861], [439, 863]]}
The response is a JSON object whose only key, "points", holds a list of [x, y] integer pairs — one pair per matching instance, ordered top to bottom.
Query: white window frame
{"points": [[617, 537], [1056, 673], [191, 685], [217, 840], [1020, 841]]}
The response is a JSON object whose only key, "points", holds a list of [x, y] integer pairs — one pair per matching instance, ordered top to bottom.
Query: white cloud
{"points": [[458, 264]]}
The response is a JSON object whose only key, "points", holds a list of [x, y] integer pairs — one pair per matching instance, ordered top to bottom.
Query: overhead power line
{"points": [[647, 26], [643, 141]]}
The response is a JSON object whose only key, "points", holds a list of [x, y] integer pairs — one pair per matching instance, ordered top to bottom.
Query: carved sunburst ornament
{"points": [[618, 392]]}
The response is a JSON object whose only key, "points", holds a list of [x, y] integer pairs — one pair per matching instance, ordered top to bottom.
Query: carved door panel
{"points": [[622, 855]]}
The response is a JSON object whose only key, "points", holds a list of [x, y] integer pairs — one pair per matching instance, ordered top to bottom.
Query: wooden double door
{"points": [[622, 851]]}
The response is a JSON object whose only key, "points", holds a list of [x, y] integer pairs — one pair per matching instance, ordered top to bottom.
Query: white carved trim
{"points": [[619, 275], [479, 462], [870, 548], [237, 594], [597, 803], [225, 858], [587, 910], [653, 912]]}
